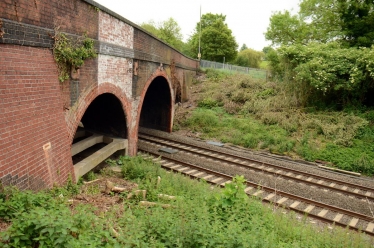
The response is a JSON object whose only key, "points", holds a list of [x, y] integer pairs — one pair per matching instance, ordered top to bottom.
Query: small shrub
{"points": [[208, 103], [364, 164], [138, 168], [91, 176], [16, 202]]}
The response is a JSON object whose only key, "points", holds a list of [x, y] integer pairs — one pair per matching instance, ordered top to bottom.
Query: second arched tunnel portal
{"points": [[156, 111]]}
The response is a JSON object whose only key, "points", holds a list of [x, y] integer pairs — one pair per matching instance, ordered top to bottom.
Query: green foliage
{"points": [[357, 21], [348, 22], [287, 29], [167, 31], [217, 41], [243, 47], [70, 55], [249, 58], [326, 72], [208, 103], [251, 113], [136, 168], [91, 176], [69, 189], [232, 195], [14, 202], [200, 216], [56, 227]]}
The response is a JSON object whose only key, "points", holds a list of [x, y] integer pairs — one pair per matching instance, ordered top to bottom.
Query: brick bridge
{"points": [[135, 81]]}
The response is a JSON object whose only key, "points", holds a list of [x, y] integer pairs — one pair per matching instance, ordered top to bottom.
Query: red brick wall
{"points": [[73, 16], [149, 45], [31, 116]]}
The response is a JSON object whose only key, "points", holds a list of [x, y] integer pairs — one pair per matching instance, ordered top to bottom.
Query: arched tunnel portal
{"points": [[156, 112], [105, 115], [103, 133]]}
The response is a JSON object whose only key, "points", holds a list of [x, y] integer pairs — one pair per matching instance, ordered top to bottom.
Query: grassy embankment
{"points": [[238, 109], [200, 216]]}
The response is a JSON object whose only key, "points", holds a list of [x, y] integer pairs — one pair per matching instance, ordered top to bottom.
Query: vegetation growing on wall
{"points": [[70, 54]]}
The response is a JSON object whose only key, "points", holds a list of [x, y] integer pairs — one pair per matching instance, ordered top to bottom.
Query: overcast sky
{"points": [[248, 19]]}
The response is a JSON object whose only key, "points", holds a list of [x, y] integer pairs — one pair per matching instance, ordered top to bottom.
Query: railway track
{"points": [[339, 186], [315, 209]]}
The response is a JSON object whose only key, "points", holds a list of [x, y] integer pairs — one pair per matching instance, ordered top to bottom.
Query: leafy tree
{"points": [[323, 18], [348, 21], [357, 22], [151, 27], [287, 29], [167, 31], [170, 32], [217, 41], [244, 46], [266, 50], [249, 58]]}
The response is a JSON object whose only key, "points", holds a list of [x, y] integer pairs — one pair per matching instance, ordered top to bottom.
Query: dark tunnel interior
{"points": [[156, 109], [105, 115]]}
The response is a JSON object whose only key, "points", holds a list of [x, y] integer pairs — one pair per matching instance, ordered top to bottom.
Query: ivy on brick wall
{"points": [[70, 54]]}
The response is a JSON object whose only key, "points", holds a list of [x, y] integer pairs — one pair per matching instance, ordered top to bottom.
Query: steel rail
{"points": [[358, 195]]}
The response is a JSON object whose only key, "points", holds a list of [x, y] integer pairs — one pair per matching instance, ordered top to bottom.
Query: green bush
{"points": [[326, 73], [208, 103], [14, 202], [56, 227]]}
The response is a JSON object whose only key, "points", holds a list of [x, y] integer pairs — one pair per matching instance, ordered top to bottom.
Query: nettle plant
{"points": [[71, 54]]}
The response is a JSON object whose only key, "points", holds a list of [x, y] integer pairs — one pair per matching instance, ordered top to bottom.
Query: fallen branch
{"points": [[92, 181], [158, 181], [109, 187], [137, 192], [167, 197], [152, 204], [114, 232]]}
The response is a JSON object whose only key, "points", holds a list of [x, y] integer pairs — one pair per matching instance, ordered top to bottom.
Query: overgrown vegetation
{"points": [[325, 52], [70, 54], [326, 74], [238, 109], [200, 216]]}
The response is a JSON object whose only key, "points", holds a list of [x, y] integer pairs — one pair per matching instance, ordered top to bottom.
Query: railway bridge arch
{"points": [[135, 80]]}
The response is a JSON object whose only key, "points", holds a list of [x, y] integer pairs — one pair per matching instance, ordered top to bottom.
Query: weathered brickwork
{"points": [[71, 16], [114, 31], [117, 71], [39, 115], [31, 117]]}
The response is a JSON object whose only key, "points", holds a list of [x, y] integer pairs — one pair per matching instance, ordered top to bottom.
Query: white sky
{"points": [[248, 19]]}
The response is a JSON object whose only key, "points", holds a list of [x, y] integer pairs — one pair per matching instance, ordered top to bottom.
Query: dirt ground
{"points": [[93, 193]]}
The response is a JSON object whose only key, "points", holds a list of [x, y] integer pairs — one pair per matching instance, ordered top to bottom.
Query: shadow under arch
{"points": [[109, 92], [156, 107], [105, 115]]}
